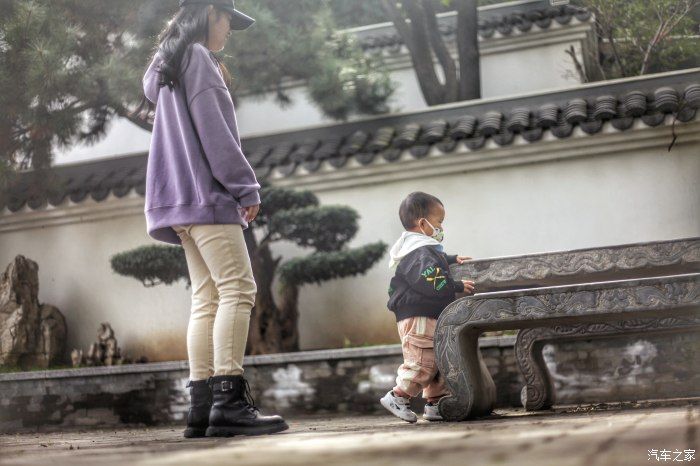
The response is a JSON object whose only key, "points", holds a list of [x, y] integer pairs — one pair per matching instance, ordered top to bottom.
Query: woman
{"points": [[201, 193]]}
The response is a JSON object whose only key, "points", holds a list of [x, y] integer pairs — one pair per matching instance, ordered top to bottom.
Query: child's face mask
{"points": [[438, 234]]}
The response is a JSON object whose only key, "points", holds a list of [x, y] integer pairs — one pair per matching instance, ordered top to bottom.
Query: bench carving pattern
{"points": [[617, 259], [461, 323], [539, 393]]}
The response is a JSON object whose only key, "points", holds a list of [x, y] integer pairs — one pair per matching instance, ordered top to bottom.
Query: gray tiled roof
{"points": [[504, 20], [473, 123]]}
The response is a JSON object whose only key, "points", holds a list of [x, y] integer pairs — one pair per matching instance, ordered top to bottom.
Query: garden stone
{"points": [[31, 334]]}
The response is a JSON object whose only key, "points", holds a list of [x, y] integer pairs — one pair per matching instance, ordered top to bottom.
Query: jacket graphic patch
{"points": [[435, 276]]}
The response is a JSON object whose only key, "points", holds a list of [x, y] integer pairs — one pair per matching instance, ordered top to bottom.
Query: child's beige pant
{"points": [[223, 294], [419, 373]]}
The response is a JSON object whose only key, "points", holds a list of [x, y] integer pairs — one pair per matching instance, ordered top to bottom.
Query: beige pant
{"points": [[223, 294], [419, 373]]}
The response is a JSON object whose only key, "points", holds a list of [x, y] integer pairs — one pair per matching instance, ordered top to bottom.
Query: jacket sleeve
{"points": [[215, 122], [451, 259], [426, 275]]}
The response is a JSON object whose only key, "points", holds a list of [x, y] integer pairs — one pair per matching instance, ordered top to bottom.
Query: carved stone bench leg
{"points": [[473, 392], [539, 392]]}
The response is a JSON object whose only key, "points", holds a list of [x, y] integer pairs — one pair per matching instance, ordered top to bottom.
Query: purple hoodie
{"points": [[196, 173]]}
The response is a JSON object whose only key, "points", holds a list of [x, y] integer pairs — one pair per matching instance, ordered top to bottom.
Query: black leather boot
{"points": [[200, 405], [233, 411]]}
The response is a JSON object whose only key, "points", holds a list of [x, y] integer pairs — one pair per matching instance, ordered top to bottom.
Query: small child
{"points": [[420, 289]]}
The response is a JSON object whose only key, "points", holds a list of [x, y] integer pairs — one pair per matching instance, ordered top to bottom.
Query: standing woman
{"points": [[201, 193]]}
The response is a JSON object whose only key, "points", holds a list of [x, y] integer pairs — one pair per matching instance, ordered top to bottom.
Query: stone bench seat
{"points": [[462, 322]]}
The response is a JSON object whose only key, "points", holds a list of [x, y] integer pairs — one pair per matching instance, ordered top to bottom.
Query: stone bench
{"points": [[571, 288], [539, 392]]}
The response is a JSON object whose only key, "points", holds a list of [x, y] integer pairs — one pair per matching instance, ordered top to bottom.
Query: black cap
{"points": [[239, 21]]}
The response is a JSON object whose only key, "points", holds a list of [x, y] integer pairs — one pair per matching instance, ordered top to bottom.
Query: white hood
{"points": [[408, 242]]}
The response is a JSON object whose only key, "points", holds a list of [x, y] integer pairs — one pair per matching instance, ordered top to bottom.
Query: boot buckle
{"points": [[226, 385]]}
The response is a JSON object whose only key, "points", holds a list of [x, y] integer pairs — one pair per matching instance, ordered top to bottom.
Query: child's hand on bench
{"points": [[463, 259], [468, 286]]}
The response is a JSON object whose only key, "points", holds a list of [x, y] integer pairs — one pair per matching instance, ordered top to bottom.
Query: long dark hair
{"points": [[189, 25]]}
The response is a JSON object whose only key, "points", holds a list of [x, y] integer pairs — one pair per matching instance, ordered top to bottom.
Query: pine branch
{"points": [[571, 51], [137, 120], [322, 266]]}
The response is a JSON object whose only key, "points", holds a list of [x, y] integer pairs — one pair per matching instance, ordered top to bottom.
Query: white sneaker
{"points": [[398, 406], [431, 413]]}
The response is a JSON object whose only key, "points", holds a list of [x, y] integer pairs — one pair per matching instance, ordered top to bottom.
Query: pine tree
{"points": [[69, 67], [288, 215]]}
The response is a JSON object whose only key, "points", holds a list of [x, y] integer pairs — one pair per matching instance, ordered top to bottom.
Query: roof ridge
{"points": [[621, 104]]}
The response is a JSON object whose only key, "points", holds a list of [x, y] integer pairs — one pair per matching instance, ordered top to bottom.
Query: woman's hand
{"points": [[250, 212], [463, 259]]}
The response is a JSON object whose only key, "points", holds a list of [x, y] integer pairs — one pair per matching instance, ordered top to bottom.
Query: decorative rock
{"points": [[31, 334], [52, 338], [103, 352], [76, 357]]}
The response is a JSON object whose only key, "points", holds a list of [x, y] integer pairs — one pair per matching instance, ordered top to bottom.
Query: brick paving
{"points": [[602, 435]]}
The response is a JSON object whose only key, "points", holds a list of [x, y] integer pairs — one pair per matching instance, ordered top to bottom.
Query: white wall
{"points": [[524, 62], [632, 193], [576, 203], [75, 275]]}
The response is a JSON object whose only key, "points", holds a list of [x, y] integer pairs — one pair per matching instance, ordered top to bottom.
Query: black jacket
{"points": [[422, 285]]}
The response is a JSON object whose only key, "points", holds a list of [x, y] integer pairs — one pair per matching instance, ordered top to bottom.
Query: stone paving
{"points": [[602, 435]]}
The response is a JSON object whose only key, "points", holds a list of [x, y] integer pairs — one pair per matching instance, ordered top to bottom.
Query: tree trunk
{"points": [[415, 37], [424, 42], [468, 50], [289, 318], [273, 329]]}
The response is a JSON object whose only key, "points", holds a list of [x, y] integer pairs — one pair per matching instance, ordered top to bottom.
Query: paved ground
{"points": [[575, 436]]}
